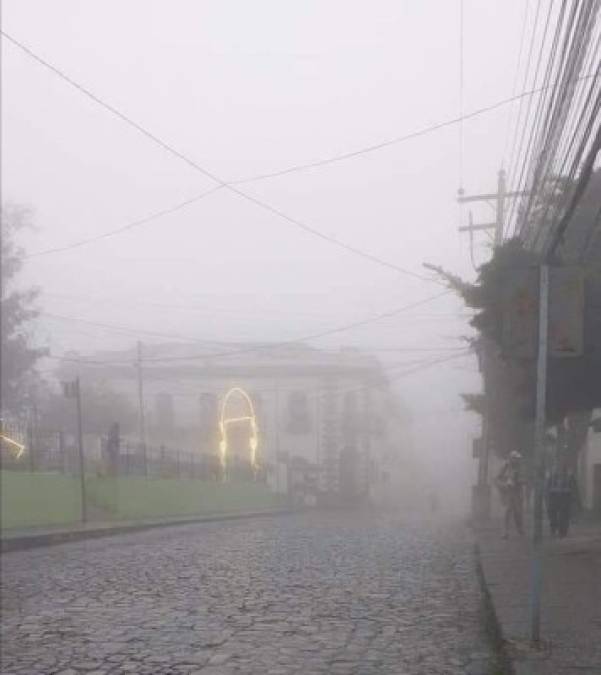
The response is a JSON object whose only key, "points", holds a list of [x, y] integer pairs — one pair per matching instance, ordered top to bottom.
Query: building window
{"points": [[299, 419]]}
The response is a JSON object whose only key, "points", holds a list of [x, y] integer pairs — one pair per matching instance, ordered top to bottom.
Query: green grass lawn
{"points": [[138, 498], [38, 499], [45, 499]]}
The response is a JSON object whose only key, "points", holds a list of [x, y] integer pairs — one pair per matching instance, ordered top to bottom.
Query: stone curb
{"points": [[36, 540], [492, 625]]}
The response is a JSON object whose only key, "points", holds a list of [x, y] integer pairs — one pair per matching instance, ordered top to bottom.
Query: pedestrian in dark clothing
{"points": [[560, 493]]}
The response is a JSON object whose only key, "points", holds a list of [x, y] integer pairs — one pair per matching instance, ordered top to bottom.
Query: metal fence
{"points": [[54, 451]]}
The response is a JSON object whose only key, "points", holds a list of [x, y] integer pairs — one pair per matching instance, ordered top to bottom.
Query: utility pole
{"points": [[498, 199], [73, 390], [141, 416], [31, 437], [539, 451], [278, 456], [82, 468]]}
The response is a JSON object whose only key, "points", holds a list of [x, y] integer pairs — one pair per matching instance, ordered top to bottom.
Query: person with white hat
{"points": [[511, 487]]}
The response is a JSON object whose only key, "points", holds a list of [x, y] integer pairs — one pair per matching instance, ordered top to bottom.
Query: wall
{"points": [[590, 457]]}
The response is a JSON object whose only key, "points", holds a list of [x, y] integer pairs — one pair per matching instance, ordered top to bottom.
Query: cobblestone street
{"points": [[299, 594]]}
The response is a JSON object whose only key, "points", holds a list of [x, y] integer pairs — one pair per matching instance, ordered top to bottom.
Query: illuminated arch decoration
{"points": [[225, 421]]}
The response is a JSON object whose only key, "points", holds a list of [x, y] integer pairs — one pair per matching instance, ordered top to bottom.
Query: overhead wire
{"points": [[531, 42], [515, 79], [461, 91], [556, 109], [561, 115], [576, 116], [534, 126], [578, 129], [461, 130], [567, 134], [524, 145], [211, 175], [231, 185], [125, 228], [236, 312], [129, 330], [307, 338], [262, 347], [427, 363], [398, 372]]}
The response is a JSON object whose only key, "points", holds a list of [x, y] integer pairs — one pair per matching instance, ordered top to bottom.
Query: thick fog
{"points": [[245, 89]]}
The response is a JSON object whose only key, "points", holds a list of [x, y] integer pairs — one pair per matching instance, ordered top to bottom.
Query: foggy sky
{"points": [[245, 88]]}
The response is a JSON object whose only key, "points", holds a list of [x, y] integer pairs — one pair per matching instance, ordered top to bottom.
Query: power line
{"points": [[515, 78], [461, 90], [553, 133], [564, 139], [395, 140], [514, 144], [524, 150], [209, 174], [231, 185], [120, 230], [135, 301], [126, 329], [139, 332], [313, 336], [264, 347], [427, 363], [186, 390]]}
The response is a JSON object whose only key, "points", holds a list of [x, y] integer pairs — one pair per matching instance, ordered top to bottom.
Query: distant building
{"points": [[324, 425]]}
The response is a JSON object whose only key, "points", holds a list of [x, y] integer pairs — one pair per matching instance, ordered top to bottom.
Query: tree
{"points": [[17, 311], [574, 384], [102, 407]]}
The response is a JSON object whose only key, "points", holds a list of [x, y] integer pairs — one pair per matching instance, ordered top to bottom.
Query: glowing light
{"points": [[225, 421], [20, 448]]}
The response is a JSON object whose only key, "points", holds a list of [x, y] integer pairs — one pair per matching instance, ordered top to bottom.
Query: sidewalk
{"points": [[21, 539], [571, 599]]}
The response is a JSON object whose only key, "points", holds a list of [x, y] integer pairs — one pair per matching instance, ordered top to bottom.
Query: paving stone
{"points": [[315, 593]]}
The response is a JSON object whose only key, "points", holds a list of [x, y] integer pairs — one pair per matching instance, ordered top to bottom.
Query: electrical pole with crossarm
{"points": [[498, 199]]}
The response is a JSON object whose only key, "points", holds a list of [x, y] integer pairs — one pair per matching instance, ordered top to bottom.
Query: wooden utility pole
{"points": [[498, 200], [73, 390], [141, 415], [31, 437], [539, 450], [82, 466]]}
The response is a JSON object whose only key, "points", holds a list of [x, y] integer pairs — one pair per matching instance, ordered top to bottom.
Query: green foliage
{"points": [[486, 294], [18, 310], [574, 384], [475, 403], [38, 499]]}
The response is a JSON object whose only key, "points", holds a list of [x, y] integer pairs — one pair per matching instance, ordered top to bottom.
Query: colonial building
{"points": [[320, 425]]}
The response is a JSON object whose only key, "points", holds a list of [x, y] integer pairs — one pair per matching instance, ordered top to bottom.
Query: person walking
{"points": [[511, 487], [560, 495]]}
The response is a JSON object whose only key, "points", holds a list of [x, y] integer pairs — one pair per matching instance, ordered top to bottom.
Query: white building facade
{"points": [[318, 425]]}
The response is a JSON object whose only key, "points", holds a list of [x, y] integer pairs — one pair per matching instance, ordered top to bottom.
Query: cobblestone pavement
{"points": [[309, 593]]}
